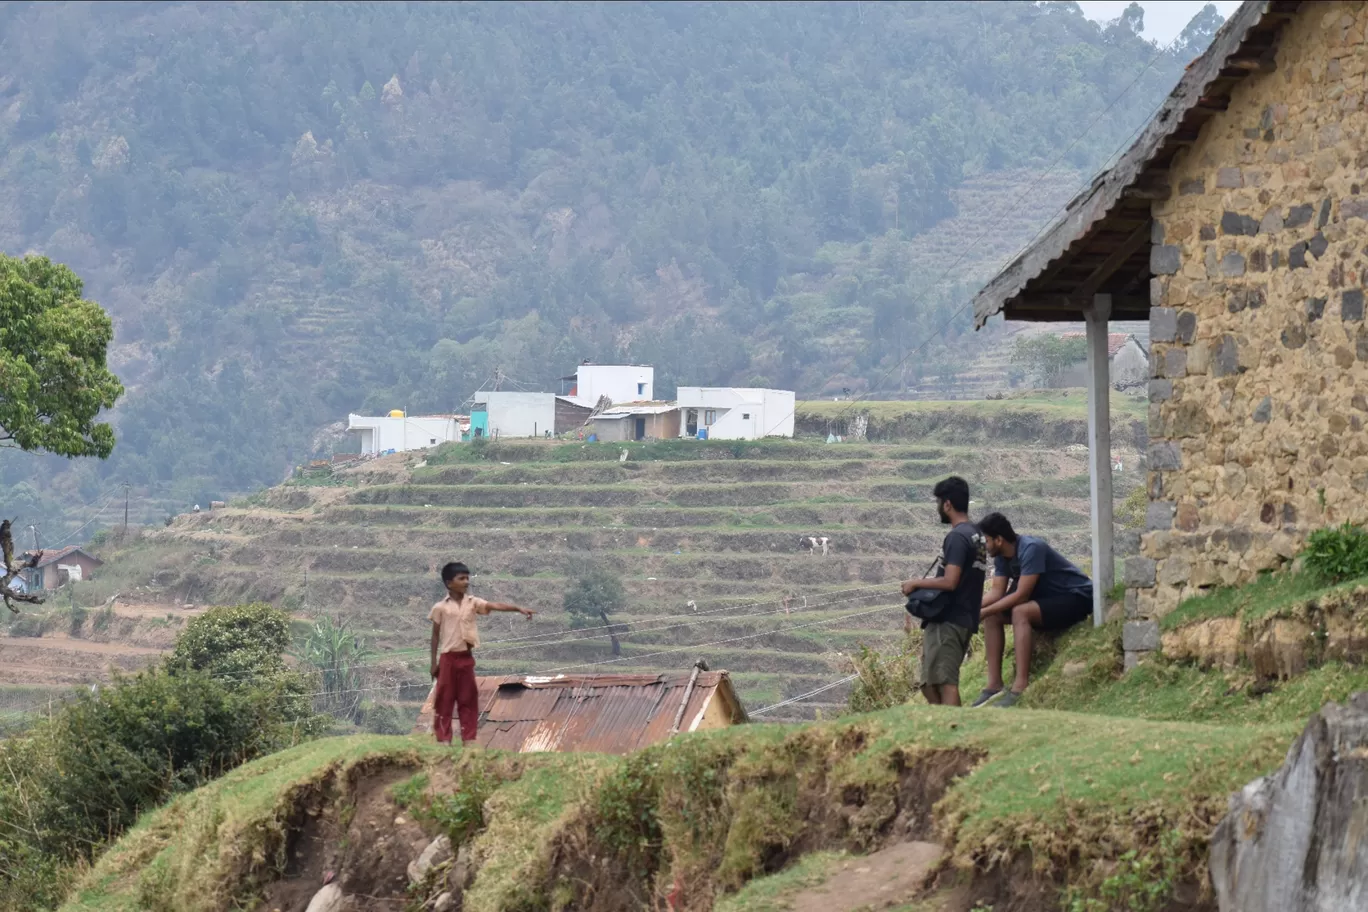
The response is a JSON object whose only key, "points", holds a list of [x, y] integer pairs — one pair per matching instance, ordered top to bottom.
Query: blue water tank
{"points": [[702, 433]]}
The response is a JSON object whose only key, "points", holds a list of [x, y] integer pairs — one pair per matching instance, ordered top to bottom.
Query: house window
{"points": [[641, 389], [745, 416], [709, 417], [432, 440]]}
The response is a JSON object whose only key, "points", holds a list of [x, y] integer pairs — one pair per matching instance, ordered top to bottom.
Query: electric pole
{"points": [[125, 528], [34, 530]]}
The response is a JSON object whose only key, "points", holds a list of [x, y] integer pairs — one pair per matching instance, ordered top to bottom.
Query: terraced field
{"points": [[715, 525]]}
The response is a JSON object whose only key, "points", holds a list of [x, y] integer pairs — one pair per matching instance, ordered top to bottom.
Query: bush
{"points": [[1338, 554], [78, 619], [886, 682], [385, 719], [82, 776]]}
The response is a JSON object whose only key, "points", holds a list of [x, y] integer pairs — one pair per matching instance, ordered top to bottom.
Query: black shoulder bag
{"points": [[930, 604]]}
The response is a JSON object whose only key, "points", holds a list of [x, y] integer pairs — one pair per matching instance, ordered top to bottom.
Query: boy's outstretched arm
{"points": [[508, 606], [436, 635]]}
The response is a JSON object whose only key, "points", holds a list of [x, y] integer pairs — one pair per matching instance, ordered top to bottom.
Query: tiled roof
{"points": [[1115, 341], [49, 555], [607, 713]]}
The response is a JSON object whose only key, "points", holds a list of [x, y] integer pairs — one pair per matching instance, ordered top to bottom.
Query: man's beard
{"points": [[945, 517]]}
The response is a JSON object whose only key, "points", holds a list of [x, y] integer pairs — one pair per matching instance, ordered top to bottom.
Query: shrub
{"points": [[1338, 554], [596, 592], [885, 682], [385, 719], [82, 776]]}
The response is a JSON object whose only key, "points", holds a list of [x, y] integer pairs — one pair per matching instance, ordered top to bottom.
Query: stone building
{"points": [[1238, 224]]}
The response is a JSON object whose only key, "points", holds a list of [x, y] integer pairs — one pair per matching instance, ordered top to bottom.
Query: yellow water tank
{"points": [[396, 413]]}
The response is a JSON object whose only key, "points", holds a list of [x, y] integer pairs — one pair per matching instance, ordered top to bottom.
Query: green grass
{"points": [[1271, 594], [772, 894]]}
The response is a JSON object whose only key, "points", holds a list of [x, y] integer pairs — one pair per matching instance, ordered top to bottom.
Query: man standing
{"points": [[964, 565], [1034, 588], [454, 636]]}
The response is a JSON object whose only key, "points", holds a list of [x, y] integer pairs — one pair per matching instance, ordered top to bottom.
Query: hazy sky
{"points": [[1164, 19]]}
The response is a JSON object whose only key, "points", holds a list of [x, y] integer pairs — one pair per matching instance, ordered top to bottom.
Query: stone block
{"points": [[1229, 178], [1192, 187], [1354, 208], [1299, 215], [1323, 217], [1271, 222], [1237, 224], [1156, 231], [1207, 232], [1318, 245], [1296, 256], [1165, 259], [1232, 265], [1351, 305], [1315, 309], [1163, 324], [1187, 327], [1294, 336], [1361, 345], [1226, 358], [1175, 362], [1160, 390], [1264, 410], [1165, 456], [1159, 516], [1185, 518], [1174, 571], [1139, 572], [1132, 604], [1140, 636], [1130, 661]]}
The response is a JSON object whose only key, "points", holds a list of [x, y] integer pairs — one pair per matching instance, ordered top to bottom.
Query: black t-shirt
{"points": [[965, 548]]}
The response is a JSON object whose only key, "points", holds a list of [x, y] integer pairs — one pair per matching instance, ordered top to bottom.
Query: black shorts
{"points": [[1060, 612]]}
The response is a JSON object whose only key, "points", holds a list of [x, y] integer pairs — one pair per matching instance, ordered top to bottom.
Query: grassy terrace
{"points": [[718, 523]]}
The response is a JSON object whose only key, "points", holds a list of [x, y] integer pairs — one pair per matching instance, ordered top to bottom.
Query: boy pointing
{"points": [[454, 636]]}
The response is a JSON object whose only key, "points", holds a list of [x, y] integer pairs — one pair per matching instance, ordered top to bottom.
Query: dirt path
{"points": [[889, 877]]}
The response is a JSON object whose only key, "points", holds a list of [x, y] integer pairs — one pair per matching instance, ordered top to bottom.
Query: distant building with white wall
{"points": [[619, 382], [730, 413], [516, 414], [399, 433]]}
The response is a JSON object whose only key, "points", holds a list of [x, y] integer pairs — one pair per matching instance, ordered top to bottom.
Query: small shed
{"points": [[638, 421], [58, 566], [605, 713]]}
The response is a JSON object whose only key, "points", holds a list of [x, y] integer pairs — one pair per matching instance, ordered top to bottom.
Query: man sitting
{"points": [[1034, 588]]}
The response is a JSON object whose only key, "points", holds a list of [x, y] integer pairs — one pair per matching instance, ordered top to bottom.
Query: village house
{"points": [[1237, 224], [1127, 363], [618, 382], [735, 413], [517, 414], [637, 421], [399, 433], [57, 567], [600, 713]]}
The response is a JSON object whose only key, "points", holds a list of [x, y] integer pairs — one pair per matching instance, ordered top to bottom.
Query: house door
{"points": [[691, 423], [640, 429]]}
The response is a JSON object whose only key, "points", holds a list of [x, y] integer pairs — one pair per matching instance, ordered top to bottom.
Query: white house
{"points": [[1127, 360], [619, 382], [729, 413], [515, 414], [399, 433]]}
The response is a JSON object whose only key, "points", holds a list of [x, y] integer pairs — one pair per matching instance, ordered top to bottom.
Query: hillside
{"points": [[292, 211], [719, 524]]}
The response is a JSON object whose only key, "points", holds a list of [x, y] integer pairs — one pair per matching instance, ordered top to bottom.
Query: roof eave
{"points": [[1097, 201]]}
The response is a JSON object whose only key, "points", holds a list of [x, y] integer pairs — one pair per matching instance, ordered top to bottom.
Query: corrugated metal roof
{"points": [[624, 409], [608, 713]]}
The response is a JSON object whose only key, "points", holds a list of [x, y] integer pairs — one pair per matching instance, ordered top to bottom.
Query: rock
{"points": [[1165, 260], [1351, 305], [1163, 324], [1140, 636], [1213, 642], [1280, 650], [1075, 669], [1291, 841], [438, 851], [328, 899], [443, 903]]}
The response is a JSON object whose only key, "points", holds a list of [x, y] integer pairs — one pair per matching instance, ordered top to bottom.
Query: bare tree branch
{"points": [[12, 570]]}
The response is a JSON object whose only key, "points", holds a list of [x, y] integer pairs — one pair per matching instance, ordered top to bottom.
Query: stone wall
{"points": [[1259, 350]]}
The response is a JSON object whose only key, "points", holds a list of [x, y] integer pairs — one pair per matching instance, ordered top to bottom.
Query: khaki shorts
{"points": [[943, 649]]}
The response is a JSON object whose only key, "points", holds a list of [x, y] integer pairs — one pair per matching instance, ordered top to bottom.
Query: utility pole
{"points": [[125, 487], [34, 530]]}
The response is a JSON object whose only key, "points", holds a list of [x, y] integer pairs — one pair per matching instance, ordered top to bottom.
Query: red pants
{"points": [[456, 687]]}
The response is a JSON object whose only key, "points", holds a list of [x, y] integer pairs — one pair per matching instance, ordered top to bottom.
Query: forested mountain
{"points": [[296, 210]]}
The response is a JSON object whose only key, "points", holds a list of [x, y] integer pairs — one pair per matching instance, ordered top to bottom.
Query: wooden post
{"points": [[1099, 453]]}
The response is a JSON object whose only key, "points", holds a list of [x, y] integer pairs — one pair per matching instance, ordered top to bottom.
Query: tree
{"points": [[1047, 356], [53, 378], [596, 593], [338, 654]]}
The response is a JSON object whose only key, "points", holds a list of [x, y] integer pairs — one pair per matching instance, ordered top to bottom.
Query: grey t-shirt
{"points": [[1057, 576]]}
